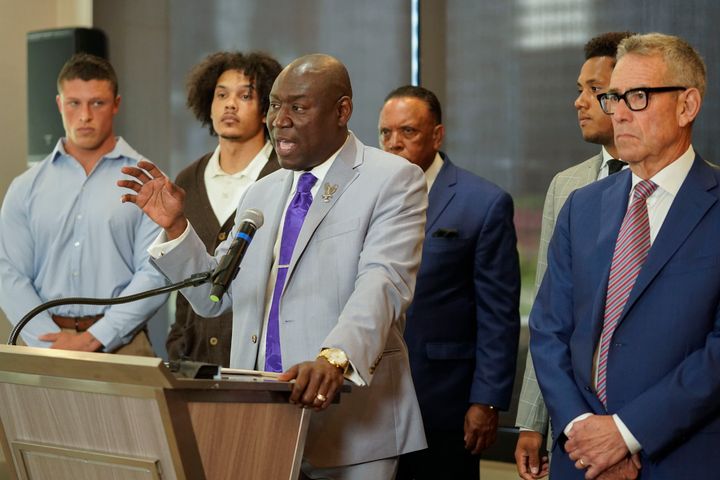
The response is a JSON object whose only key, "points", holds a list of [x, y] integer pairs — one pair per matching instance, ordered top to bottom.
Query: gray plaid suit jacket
{"points": [[532, 413]]}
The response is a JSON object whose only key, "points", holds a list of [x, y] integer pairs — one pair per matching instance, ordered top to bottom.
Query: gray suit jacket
{"points": [[350, 280], [532, 413]]}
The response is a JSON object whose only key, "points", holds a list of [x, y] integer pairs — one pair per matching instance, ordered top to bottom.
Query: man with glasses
{"points": [[596, 127], [625, 331]]}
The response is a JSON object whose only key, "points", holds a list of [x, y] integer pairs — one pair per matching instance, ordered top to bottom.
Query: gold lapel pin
{"points": [[329, 192]]}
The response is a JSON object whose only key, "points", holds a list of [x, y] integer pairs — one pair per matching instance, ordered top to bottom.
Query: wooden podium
{"points": [[77, 416]]}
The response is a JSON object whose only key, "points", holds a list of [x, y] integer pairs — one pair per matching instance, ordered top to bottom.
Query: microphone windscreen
{"points": [[253, 216]]}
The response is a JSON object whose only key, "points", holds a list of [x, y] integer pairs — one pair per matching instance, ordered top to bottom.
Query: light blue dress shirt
{"points": [[67, 234]]}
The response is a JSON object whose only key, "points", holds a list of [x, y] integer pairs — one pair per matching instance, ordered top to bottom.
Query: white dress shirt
{"points": [[433, 170], [224, 190]]}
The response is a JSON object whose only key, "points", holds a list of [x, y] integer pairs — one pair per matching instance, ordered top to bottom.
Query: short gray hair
{"points": [[685, 65]]}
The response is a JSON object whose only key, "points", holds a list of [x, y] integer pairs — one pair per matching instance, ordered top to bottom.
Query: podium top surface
{"points": [[113, 368]]}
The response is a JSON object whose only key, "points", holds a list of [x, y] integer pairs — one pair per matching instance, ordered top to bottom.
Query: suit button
{"points": [[222, 236], [254, 338], [213, 341]]}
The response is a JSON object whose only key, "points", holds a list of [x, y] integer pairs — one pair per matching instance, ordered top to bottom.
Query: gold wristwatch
{"points": [[336, 358]]}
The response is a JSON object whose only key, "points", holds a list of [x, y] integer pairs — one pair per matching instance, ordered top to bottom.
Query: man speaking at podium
{"points": [[324, 286]]}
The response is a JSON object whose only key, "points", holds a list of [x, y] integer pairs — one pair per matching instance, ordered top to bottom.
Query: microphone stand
{"points": [[194, 281]]}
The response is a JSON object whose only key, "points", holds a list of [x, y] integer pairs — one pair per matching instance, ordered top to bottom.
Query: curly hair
{"points": [[605, 45], [88, 67], [259, 67]]}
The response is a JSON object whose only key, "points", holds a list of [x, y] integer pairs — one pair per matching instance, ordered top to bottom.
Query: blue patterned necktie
{"points": [[294, 218]]}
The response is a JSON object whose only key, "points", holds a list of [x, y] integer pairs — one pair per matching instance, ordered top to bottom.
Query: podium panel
{"points": [[75, 415], [80, 423], [42, 461]]}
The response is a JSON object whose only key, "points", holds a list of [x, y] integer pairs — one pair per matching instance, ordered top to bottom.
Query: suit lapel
{"points": [[591, 172], [341, 175], [441, 193], [613, 205], [688, 208]]}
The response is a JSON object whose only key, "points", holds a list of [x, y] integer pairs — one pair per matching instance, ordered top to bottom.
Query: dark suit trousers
{"points": [[445, 458]]}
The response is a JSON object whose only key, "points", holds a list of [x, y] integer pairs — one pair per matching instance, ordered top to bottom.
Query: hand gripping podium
{"points": [[87, 416]]}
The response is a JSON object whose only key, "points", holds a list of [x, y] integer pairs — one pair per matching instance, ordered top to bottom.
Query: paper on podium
{"points": [[240, 372]]}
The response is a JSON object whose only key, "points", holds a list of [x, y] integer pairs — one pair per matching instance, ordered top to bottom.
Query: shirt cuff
{"points": [[162, 245], [105, 334], [352, 375], [569, 426], [525, 429], [632, 443]]}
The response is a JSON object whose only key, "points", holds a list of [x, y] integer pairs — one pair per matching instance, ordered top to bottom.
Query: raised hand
{"points": [[157, 196]]}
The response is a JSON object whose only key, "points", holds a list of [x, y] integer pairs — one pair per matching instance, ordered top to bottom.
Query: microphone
{"points": [[229, 265]]}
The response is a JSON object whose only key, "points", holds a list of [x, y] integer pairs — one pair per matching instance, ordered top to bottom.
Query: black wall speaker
{"points": [[48, 50]]}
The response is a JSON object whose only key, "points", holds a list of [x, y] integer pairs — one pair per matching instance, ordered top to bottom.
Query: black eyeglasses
{"points": [[636, 98]]}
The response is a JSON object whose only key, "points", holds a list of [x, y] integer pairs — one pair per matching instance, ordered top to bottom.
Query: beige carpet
{"points": [[497, 471]]}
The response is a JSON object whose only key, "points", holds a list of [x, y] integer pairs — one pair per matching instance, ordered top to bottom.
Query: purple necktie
{"points": [[294, 217], [631, 250]]}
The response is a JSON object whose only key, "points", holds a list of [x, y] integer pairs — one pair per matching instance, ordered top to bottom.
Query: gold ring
{"points": [[321, 397], [582, 464]]}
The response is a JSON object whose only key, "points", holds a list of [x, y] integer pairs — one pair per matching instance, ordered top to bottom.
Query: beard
{"points": [[231, 138], [599, 138]]}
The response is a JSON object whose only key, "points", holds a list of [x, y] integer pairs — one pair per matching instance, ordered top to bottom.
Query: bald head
{"points": [[327, 70], [310, 106]]}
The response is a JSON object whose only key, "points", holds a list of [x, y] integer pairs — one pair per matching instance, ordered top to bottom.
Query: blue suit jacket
{"points": [[462, 327], [664, 360]]}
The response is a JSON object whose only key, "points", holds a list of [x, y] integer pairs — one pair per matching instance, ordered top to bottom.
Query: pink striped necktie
{"points": [[631, 250]]}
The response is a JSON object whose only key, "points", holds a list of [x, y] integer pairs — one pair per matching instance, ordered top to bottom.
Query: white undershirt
{"points": [[224, 190]]}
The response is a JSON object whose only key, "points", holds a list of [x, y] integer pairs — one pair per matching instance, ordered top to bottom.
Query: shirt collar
{"points": [[122, 149], [605, 156], [253, 169], [321, 170], [433, 170], [671, 178]]}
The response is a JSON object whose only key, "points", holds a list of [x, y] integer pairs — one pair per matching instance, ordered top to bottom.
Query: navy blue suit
{"points": [[463, 324], [664, 361]]}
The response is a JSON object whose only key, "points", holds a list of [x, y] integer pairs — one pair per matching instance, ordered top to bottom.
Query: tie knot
{"points": [[615, 165], [306, 182], [644, 189]]}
